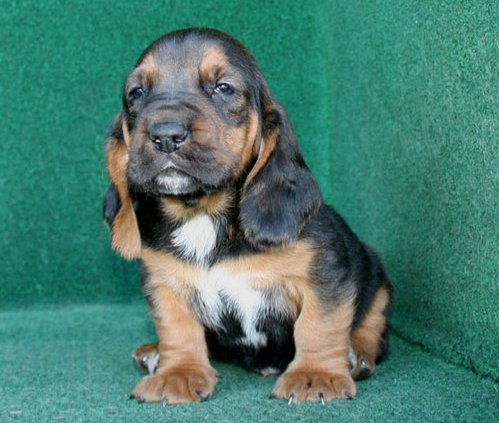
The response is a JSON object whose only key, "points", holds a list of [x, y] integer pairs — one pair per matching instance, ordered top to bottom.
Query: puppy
{"points": [[240, 258]]}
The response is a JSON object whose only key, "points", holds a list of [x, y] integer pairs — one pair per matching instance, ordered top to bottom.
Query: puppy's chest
{"points": [[196, 239], [223, 296], [239, 296], [227, 302]]}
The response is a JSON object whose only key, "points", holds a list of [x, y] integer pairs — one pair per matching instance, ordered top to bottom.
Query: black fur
{"points": [[284, 187], [111, 205], [277, 354]]}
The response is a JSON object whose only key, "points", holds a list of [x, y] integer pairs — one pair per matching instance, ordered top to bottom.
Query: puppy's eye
{"points": [[223, 88], [136, 94]]}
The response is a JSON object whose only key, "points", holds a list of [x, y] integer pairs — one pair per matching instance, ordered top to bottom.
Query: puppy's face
{"points": [[191, 115], [197, 119]]}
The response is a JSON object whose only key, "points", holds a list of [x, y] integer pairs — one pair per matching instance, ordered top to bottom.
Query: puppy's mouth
{"points": [[173, 181]]}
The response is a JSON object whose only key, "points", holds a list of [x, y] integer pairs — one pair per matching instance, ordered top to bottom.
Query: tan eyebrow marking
{"points": [[213, 64], [148, 71]]}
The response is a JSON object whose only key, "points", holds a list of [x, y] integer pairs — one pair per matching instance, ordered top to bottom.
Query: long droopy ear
{"points": [[280, 193], [118, 204]]}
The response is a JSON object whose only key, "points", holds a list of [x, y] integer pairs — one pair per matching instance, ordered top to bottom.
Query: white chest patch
{"points": [[196, 238], [220, 291]]}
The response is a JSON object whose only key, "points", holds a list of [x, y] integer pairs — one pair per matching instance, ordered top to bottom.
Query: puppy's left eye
{"points": [[223, 88], [136, 94]]}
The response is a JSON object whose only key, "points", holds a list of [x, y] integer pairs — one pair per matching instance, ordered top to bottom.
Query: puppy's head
{"points": [[198, 119]]}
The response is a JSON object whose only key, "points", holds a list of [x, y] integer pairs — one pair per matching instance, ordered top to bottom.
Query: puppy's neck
{"points": [[182, 209], [200, 227]]}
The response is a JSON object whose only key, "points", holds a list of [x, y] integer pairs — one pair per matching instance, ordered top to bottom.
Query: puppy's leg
{"points": [[368, 340], [319, 371], [184, 374]]}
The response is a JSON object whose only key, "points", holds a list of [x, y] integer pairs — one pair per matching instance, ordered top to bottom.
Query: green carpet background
{"points": [[396, 107], [415, 162]]}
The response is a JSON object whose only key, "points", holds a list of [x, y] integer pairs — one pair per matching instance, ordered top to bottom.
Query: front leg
{"points": [[320, 370], [184, 374]]}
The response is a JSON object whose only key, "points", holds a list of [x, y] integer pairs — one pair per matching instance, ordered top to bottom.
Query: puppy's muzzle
{"points": [[169, 136]]}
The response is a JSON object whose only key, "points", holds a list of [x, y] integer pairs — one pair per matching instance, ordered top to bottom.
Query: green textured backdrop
{"points": [[396, 106], [415, 162]]}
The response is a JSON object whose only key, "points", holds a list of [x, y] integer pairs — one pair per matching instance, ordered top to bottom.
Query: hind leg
{"points": [[369, 339], [147, 357]]}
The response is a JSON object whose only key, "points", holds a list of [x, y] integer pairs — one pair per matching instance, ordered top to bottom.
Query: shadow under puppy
{"points": [[240, 257]]}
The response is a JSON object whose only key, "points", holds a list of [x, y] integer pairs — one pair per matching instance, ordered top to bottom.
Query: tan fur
{"points": [[213, 64], [149, 69], [207, 131], [239, 141], [267, 145], [247, 151], [213, 205], [125, 230], [285, 267], [165, 269], [367, 337], [146, 349], [145, 355], [319, 371], [184, 374]]}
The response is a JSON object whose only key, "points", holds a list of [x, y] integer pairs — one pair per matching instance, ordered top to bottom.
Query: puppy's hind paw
{"points": [[146, 358]]}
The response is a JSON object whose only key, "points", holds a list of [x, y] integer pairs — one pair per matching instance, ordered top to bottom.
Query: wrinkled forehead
{"points": [[192, 59]]}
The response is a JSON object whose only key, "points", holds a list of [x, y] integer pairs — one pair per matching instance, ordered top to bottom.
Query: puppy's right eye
{"points": [[223, 88], [136, 94]]}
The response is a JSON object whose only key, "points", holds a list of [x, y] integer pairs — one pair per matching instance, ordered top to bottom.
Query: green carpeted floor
{"points": [[73, 364]]}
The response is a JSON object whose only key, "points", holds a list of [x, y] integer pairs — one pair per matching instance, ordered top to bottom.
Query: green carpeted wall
{"points": [[395, 105], [415, 162]]}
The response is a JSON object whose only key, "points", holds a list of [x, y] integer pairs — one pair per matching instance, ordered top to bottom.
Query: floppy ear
{"points": [[280, 193], [111, 205], [119, 212]]}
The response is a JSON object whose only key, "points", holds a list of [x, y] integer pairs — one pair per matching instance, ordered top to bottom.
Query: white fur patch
{"points": [[174, 184], [196, 238], [219, 290], [269, 371]]}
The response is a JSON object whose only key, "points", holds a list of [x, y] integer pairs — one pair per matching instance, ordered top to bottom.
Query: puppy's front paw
{"points": [[178, 385], [300, 385]]}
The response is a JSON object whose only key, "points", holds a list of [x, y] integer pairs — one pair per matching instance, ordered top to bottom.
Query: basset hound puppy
{"points": [[240, 258]]}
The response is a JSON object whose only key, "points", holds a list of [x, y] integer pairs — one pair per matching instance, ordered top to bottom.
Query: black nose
{"points": [[168, 136]]}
